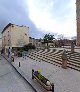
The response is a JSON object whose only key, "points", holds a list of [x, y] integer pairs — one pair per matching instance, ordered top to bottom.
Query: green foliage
{"points": [[48, 38], [29, 46], [20, 49], [40, 77]]}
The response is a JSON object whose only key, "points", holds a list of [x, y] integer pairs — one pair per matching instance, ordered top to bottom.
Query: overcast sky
{"points": [[42, 16]]}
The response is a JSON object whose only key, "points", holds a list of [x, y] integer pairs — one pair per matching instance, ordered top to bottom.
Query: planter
{"points": [[47, 87]]}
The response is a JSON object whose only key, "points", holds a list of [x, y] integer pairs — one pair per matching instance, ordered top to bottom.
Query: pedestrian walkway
{"points": [[10, 80], [65, 80]]}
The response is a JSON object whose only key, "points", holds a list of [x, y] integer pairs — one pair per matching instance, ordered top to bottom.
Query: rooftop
{"points": [[12, 25]]}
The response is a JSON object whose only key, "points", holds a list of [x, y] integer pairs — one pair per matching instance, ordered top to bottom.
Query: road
{"points": [[10, 80]]}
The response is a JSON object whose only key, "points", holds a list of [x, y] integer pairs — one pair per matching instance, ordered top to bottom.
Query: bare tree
{"points": [[61, 40]]}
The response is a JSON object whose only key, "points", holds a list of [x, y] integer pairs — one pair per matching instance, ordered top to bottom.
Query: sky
{"points": [[42, 16]]}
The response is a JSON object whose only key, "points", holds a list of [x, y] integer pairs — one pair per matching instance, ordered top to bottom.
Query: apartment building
{"points": [[14, 36]]}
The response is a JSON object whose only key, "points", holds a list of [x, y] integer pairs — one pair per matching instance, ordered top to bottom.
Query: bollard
{"points": [[72, 47], [0, 57], [12, 59], [64, 60], [19, 64], [32, 73], [52, 87]]}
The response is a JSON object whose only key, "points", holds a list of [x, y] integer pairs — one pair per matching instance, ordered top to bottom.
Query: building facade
{"points": [[78, 21], [14, 36], [36, 42]]}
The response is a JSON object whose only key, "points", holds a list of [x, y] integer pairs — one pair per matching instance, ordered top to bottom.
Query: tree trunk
{"points": [[47, 45]]}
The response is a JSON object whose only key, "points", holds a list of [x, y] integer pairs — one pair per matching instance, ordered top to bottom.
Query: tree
{"points": [[48, 38], [61, 40]]}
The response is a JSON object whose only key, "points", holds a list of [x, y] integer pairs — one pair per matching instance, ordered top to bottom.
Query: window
{"points": [[25, 34]]}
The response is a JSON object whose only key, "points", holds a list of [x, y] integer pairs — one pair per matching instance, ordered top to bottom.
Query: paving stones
{"points": [[10, 80], [64, 80]]}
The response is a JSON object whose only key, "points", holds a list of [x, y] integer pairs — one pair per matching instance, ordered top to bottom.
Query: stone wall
{"points": [[78, 21]]}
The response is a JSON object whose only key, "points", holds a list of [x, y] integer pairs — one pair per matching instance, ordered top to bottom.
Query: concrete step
{"points": [[50, 52], [54, 54], [54, 57], [58, 60], [48, 61], [59, 64]]}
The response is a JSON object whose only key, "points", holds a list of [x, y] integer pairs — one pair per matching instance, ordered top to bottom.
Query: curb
{"points": [[20, 71]]}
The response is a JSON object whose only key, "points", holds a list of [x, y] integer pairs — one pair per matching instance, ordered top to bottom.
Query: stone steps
{"points": [[41, 51], [51, 51], [53, 54], [55, 58], [42, 59], [74, 59], [69, 60], [58, 63]]}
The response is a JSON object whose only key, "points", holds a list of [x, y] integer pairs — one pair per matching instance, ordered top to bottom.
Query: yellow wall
{"points": [[18, 36]]}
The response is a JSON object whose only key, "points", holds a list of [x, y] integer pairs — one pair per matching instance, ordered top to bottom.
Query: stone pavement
{"points": [[10, 80], [65, 80], [33, 84]]}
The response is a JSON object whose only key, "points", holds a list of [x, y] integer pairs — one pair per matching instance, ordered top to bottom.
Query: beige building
{"points": [[78, 21], [14, 36], [32, 40], [36, 42]]}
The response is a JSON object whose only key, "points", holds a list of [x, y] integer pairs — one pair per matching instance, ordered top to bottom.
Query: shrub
{"points": [[29, 46], [19, 54]]}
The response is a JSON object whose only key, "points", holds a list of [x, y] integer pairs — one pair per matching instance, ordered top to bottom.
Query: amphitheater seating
{"points": [[53, 56]]}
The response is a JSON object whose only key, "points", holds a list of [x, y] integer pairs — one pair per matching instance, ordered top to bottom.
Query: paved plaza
{"points": [[10, 80], [65, 80]]}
